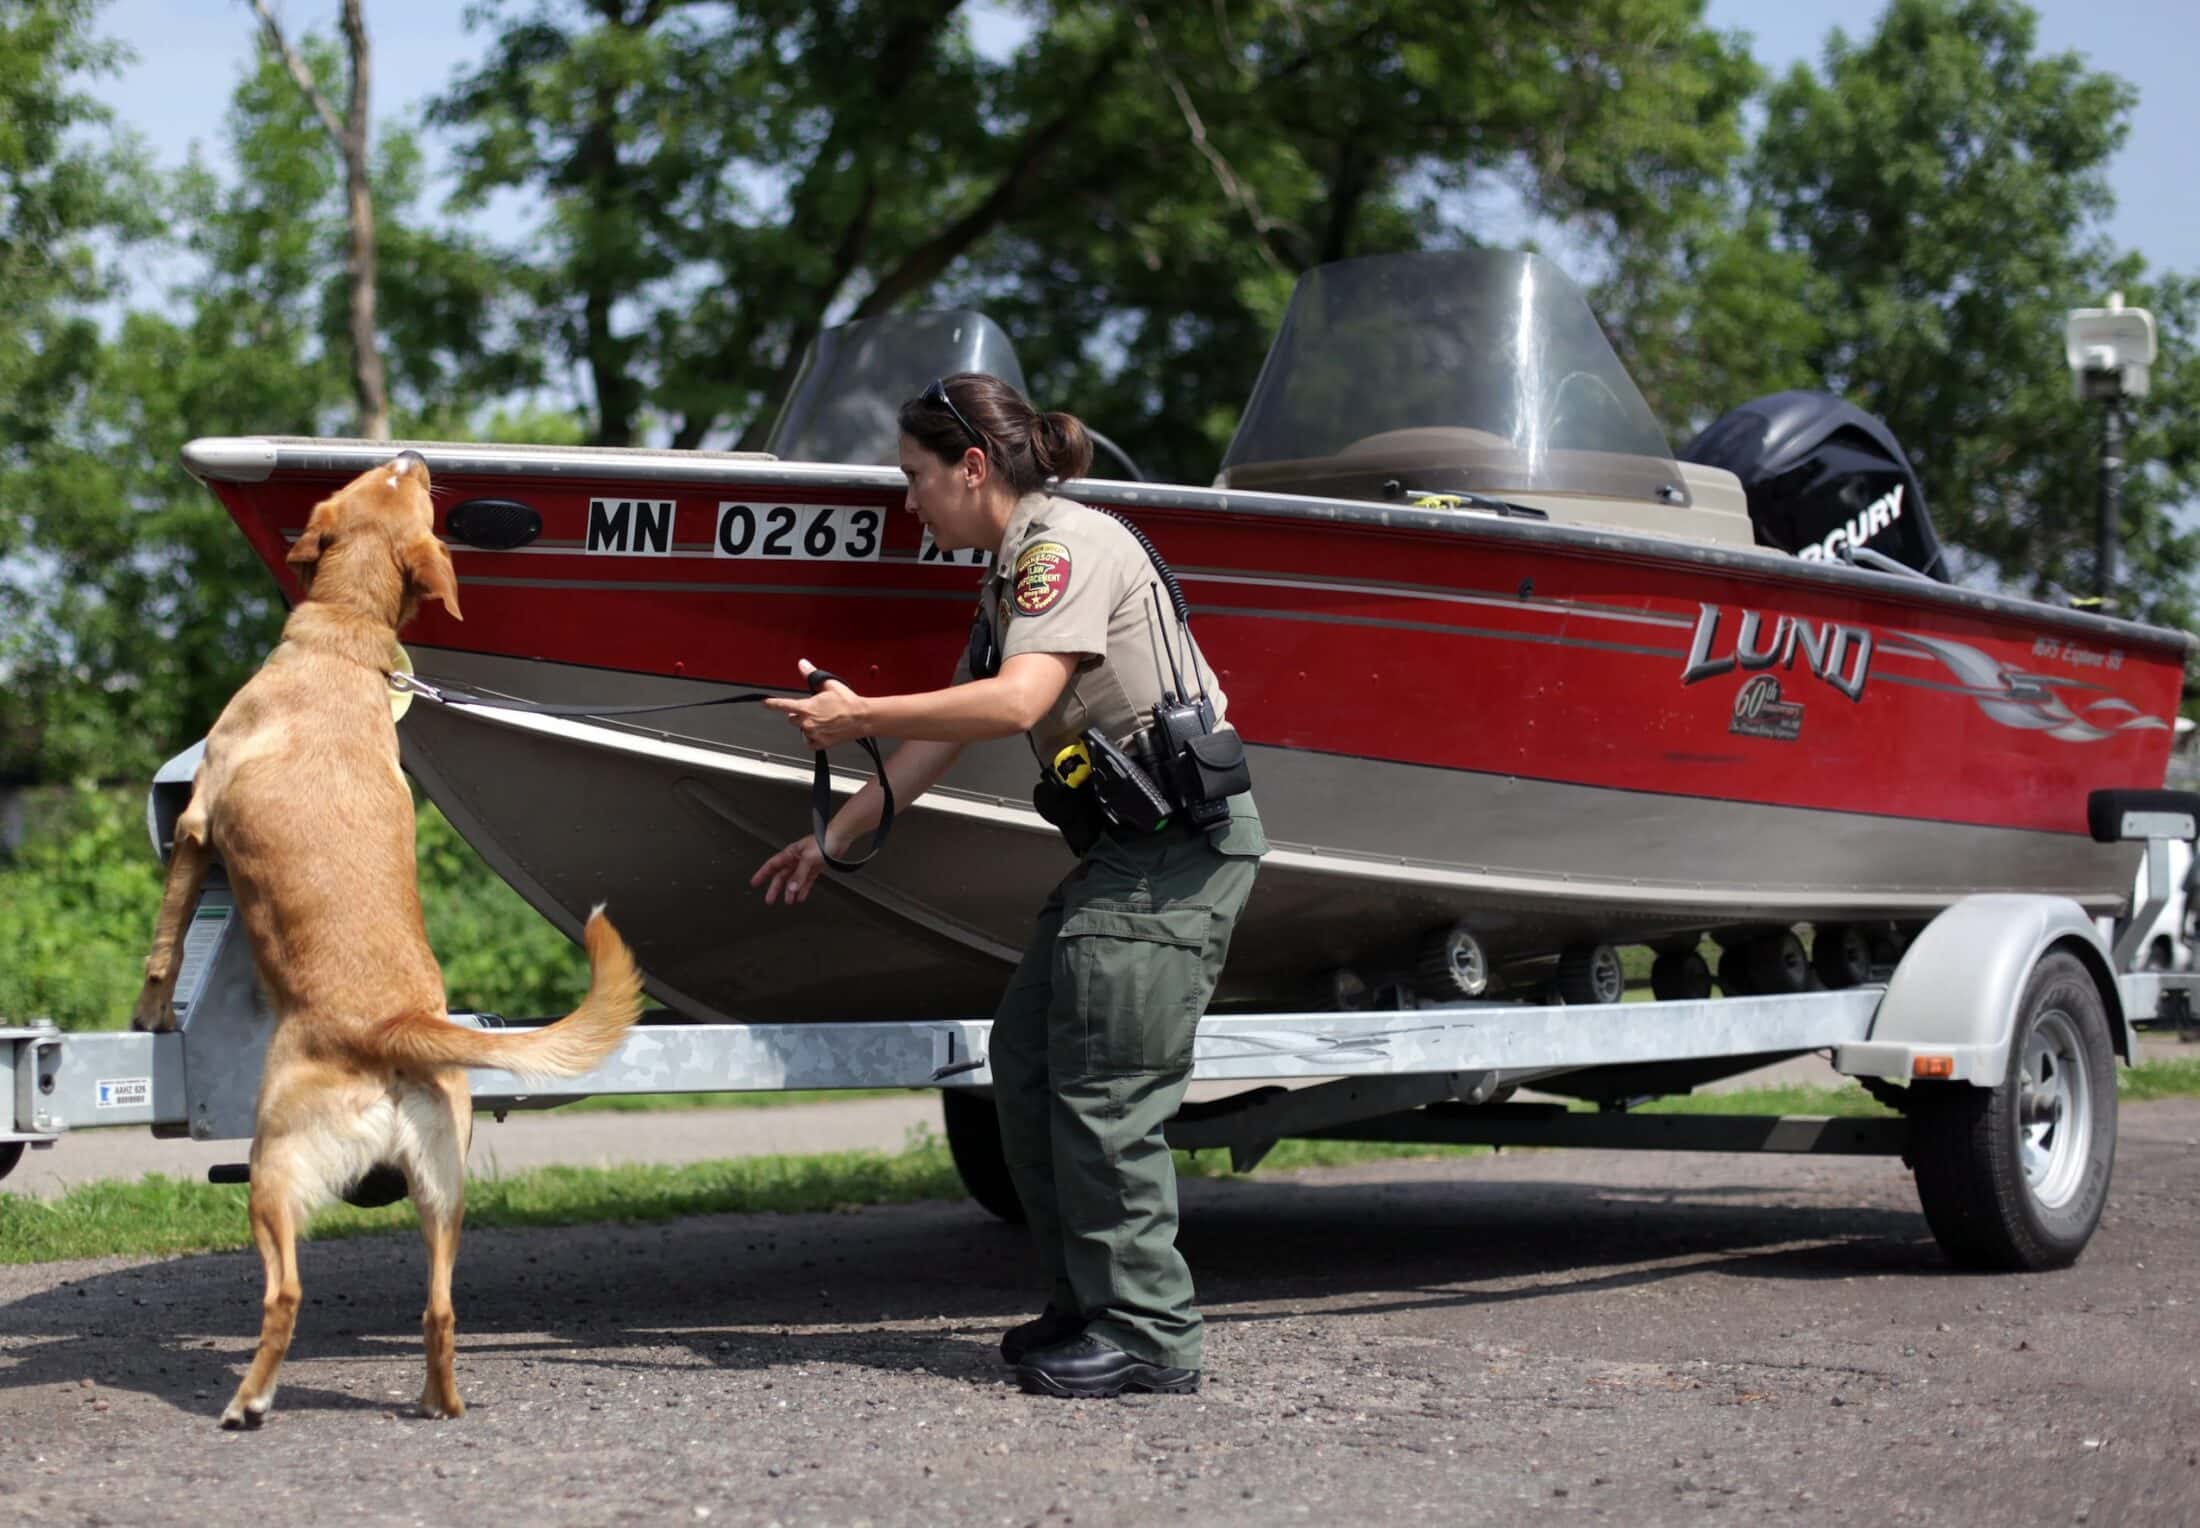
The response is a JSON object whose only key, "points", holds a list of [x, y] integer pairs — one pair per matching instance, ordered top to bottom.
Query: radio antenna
{"points": [[1160, 680], [1181, 692]]}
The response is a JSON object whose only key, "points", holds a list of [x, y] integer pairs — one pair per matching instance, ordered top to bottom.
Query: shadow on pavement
{"points": [[920, 1286]]}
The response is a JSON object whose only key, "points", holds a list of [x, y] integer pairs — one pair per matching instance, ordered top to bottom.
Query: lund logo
{"points": [[1877, 516], [630, 527], [1840, 655]]}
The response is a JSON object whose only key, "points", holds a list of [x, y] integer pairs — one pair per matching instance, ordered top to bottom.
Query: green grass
{"points": [[2179, 1078], [1848, 1101], [159, 1214], [167, 1215]]}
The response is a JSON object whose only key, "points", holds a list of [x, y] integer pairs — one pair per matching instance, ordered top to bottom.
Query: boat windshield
{"points": [[1477, 370], [855, 378]]}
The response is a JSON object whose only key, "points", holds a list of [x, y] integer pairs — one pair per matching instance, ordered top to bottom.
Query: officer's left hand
{"points": [[832, 716]]}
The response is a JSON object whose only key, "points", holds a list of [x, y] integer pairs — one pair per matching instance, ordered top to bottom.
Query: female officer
{"points": [[1092, 1043]]}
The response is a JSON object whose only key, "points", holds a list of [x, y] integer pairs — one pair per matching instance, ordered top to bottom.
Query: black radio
{"points": [[1203, 768]]}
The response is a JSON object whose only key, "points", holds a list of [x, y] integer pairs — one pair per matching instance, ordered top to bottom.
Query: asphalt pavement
{"points": [[1644, 1338]]}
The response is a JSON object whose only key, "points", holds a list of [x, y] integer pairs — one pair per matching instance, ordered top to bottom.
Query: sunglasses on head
{"points": [[937, 393]]}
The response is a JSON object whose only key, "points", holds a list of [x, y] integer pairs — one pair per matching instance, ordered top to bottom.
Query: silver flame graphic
{"points": [[2030, 701]]}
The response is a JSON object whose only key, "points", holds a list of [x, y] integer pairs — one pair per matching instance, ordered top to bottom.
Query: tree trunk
{"points": [[350, 134], [367, 378]]}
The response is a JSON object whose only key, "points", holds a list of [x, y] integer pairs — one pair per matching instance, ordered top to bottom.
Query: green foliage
{"points": [[1946, 185], [1130, 189], [144, 609], [77, 908], [76, 911], [497, 953]]}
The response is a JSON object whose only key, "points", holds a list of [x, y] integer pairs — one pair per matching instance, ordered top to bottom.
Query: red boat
{"points": [[1519, 685]]}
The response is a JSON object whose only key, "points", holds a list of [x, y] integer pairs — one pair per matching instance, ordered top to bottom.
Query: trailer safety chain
{"points": [[821, 788]]}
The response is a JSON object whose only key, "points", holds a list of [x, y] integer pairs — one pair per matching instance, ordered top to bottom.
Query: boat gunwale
{"points": [[255, 459]]}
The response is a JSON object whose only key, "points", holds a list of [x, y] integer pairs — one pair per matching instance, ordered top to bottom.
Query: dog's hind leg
{"points": [[187, 865], [443, 1118], [275, 1215]]}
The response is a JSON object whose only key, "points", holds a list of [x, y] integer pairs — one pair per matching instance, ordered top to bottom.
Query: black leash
{"points": [[821, 788]]}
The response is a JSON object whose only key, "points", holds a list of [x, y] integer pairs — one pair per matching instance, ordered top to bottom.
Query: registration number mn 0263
{"points": [[800, 533]]}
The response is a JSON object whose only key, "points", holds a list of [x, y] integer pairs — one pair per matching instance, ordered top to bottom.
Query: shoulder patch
{"points": [[1042, 577]]}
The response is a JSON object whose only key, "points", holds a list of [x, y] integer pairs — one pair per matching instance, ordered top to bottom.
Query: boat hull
{"points": [[1552, 735]]}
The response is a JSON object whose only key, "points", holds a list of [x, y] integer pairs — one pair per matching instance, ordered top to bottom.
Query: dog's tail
{"points": [[571, 1046]]}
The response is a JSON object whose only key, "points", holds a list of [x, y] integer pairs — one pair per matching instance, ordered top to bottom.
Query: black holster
{"points": [[1075, 813]]}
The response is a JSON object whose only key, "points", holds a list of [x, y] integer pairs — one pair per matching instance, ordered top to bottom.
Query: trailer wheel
{"points": [[1841, 954], [1776, 963], [1451, 966], [1734, 972], [1590, 973], [1679, 974], [974, 1141], [11, 1152], [2015, 1177]]}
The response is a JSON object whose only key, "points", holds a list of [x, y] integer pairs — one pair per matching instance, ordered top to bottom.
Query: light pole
{"points": [[2109, 350]]}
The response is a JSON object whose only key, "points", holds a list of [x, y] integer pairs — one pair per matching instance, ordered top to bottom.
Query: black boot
{"points": [[1049, 1327], [1086, 1366]]}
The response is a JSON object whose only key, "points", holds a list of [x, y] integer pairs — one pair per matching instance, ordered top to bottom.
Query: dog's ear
{"points": [[306, 550], [428, 565]]}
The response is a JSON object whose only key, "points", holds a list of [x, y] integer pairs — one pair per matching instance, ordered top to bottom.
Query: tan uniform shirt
{"points": [[1069, 579]]}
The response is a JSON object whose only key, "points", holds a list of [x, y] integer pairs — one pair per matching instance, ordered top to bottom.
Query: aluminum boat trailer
{"points": [[1995, 1039]]}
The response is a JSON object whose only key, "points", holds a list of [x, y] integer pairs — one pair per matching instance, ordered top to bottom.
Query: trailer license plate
{"points": [[123, 1092]]}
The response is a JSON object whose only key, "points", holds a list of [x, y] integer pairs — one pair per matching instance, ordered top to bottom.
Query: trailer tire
{"points": [[1841, 954], [1776, 964], [1734, 971], [1590, 974], [1679, 975], [974, 1141], [11, 1152], [2014, 1178]]}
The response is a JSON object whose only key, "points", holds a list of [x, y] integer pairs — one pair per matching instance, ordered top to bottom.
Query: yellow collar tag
{"points": [[400, 663]]}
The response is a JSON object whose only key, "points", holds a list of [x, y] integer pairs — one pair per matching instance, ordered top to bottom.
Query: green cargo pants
{"points": [[1092, 1045]]}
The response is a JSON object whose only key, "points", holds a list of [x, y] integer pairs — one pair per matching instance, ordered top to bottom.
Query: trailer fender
{"points": [[1955, 993]]}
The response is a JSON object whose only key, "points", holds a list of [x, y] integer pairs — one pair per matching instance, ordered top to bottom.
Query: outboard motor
{"points": [[1821, 475]]}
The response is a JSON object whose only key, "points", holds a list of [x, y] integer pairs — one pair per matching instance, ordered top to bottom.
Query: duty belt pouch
{"points": [[1215, 767], [1076, 813]]}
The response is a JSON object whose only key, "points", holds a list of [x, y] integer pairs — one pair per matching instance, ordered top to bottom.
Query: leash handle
{"points": [[821, 792]]}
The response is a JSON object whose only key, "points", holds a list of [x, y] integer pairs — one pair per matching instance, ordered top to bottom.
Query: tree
{"points": [[349, 134], [1257, 141], [718, 179], [68, 182], [1946, 185], [1131, 187], [145, 608]]}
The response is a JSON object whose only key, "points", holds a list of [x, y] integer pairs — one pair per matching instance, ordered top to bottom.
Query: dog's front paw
{"points": [[155, 1012]]}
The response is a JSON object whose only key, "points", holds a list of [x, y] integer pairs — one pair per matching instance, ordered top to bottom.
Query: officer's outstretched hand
{"points": [[835, 714], [788, 875]]}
